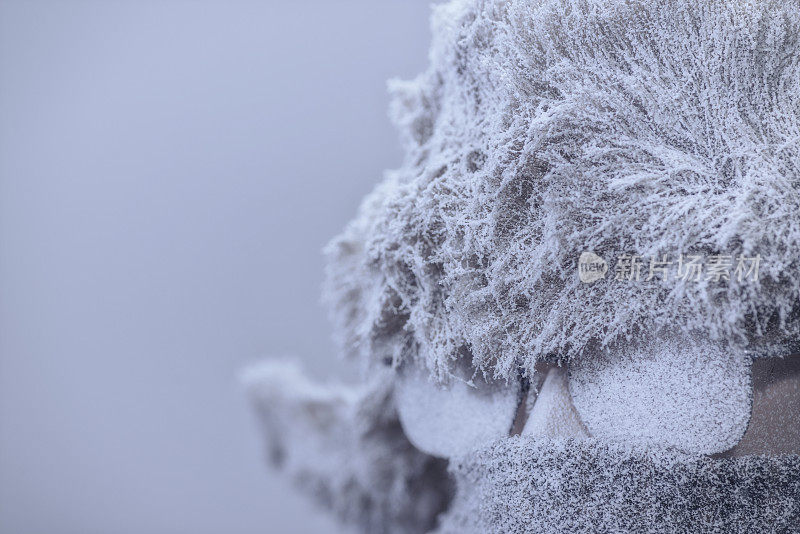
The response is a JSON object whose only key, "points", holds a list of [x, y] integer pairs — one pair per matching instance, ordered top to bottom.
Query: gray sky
{"points": [[168, 174]]}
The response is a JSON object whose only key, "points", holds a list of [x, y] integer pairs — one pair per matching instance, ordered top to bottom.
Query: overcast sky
{"points": [[169, 172]]}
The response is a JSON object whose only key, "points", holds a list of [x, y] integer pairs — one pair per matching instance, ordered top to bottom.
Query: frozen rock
{"points": [[675, 391]]}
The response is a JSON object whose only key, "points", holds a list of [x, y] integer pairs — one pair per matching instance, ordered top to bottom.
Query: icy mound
{"points": [[546, 129], [542, 486]]}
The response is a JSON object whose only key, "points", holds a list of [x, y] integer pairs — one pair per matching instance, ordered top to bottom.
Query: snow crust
{"points": [[545, 129], [670, 391]]}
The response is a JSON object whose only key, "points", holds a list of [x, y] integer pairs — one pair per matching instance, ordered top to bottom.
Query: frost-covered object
{"points": [[546, 129], [670, 391], [553, 414], [453, 418], [346, 448], [522, 485]]}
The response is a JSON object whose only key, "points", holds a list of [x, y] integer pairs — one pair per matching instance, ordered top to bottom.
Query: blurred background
{"points": [[169, 172]]}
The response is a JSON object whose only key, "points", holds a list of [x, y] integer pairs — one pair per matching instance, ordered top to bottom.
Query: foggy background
{"points": [[169, 172]]}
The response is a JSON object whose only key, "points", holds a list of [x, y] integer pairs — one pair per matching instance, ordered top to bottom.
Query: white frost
{"points": [[545, 129], [673, 391], [553, 415], [454, 418]]}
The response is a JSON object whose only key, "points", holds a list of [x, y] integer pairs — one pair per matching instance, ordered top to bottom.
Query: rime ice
{"points": [[546, 135]]}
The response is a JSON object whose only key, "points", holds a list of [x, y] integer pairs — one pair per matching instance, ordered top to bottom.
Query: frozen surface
{"points": [[545, 129], [672, 391], [553, 415], [456, 417], [346, 448], [523, 485]]}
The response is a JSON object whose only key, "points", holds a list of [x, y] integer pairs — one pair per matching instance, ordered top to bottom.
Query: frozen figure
{"points": [[577, 304]]}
